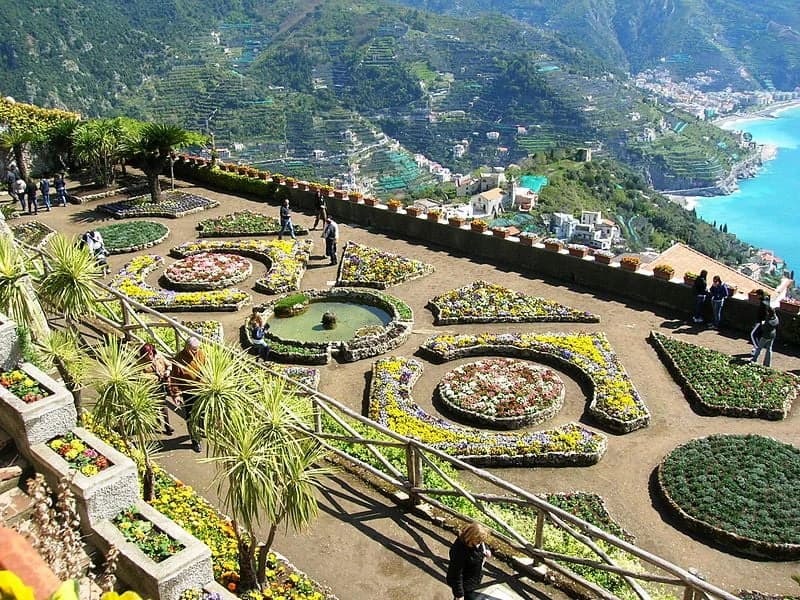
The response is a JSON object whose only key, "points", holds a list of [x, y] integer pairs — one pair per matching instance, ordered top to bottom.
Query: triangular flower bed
{"points": [[172, 205], [362, 266], [482, 302], [719, 385], [391, 405]]}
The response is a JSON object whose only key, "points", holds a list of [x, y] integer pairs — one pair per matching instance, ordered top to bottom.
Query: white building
{"points": [[488, 204], [563, 225]]}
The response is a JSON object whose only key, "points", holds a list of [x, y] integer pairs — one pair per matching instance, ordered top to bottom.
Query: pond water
{"points": [[307, 327]]}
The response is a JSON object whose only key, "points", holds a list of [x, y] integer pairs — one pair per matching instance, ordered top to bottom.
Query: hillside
{"points": [[751, 44]]}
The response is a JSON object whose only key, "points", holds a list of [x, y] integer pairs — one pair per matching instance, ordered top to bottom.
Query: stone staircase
{"points": [[15, 503]]}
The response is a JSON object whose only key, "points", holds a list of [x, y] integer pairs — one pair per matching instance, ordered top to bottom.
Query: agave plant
{"points": [[70, 283], [18, 298], [62, 350]]}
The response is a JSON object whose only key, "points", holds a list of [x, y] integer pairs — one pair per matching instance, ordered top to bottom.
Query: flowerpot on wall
{"points": [[338, 194], [371, 201], [393, 208], [413, 211], [433, 216], [456, 222], [479, 227], [500, 233], [526, 240], [552, 247], [578, 252], [602, 259], [632, 267], [662, 275], [688, 280], [754, 298], [789, 306]]}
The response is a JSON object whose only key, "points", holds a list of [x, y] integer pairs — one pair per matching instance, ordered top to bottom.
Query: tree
{"points": [[60, 141], [16, 142], [101, 144], [153, 146], [264, 462]]}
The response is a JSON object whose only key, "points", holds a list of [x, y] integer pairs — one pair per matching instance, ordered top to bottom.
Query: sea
{"points": [[765, 212]]}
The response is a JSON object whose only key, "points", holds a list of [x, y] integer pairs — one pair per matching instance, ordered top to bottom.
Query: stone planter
{"points": [[456, 222], [478, 227], [552, 247], [790, 307], [9, 344], [31, 424], [101, 496], [166, 580]]}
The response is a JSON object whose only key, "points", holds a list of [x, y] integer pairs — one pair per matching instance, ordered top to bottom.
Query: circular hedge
{"points": [[132, 236], [502, 392], [741, 490]]}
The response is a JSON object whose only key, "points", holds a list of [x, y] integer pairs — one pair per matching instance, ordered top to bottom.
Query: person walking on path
{"points": [[11, 179], [44, 187], [19, 189], [30, 189], [61, 189], [322, 210], [286, 220], [331, 236], [718, 292], [700, 294], [763, 305], [766, 337], [188, 363], [467, 556]]}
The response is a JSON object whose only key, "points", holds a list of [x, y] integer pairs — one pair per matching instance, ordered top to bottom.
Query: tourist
{"points": [[11, 179], [44, 187], [61, 189], [19, 190], [30, 190], [322, 210], [286, 220], [331, 236], [93, 240], [718, 292], [700, 294], [763, 305], [257, 328], [766, 337], [188, 363], [157, 365], [467, 555]]}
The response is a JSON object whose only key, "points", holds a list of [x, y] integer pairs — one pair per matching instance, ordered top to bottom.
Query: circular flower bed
{"points": [[133, 236], [208, 271], [502, 392], [740, 490]]}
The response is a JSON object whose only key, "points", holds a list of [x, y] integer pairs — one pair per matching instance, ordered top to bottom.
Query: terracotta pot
{"points": [[263, 175], [338, 194], [371, 201], [393, 208], [413, 212], [433, 217], [456, 222], [477, 227], [499, 234], [526, 241], [553, 247], [578, 253], [603, 260], [629, 267], [662, 275], [688, 280], [753, 298], [792, 308]]}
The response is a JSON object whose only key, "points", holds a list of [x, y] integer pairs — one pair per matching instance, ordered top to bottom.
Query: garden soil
{"points": [[363, 546]]}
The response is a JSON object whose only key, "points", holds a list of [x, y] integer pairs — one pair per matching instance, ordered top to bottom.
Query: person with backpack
{"points": [[718, 292], [767, 333]]}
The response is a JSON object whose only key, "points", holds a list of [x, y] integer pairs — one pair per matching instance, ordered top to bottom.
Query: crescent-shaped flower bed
{"points": [[172, 205], [243, 224], [33, 233], [120, 238], [285, 259], [369, 267], [208, 271], [131, 282], [482, 302], [364, 344], [717, 385], [502, 393], [614, 400], [391, 405], [740, 491]]}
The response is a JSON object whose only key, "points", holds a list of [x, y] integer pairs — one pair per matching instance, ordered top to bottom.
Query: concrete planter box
{"points": [[9, 343], [31, 424], [101, 496], [189, 568]]}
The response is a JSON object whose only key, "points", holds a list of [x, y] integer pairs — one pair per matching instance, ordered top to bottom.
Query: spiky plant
{"points": [[70, 284], [18, 299], [61, 349]]}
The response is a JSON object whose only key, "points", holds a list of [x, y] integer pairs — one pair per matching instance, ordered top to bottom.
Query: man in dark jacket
{"points": [[700, 290], [768, 331], [467, 555]]}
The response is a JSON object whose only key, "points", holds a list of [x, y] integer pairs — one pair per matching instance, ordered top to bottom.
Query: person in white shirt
{"points": [[331, 236]]}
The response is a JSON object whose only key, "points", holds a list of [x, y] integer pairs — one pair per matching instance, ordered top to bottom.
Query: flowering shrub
{"points": [[394, 203], [173, 204], [243, 223], [478, 223], [33, 233], [133, 236], [552, 242], [579, 247], [603, 253], [286, 259], [630, 261], [370, 267], [665, 270], [208, 271], [131, 282], [482, 302], [20, 384], [722, 387], [502, 391], [615, 401], [391, 405], [78, 454], [136, 529]]}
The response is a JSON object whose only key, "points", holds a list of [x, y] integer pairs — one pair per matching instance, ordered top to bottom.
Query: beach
{"points": [[770, 111]]}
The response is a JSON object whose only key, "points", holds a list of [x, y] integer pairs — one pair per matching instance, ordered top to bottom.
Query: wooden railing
{"points": [[527, 556]]}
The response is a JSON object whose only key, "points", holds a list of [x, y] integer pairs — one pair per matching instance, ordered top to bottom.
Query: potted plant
{"points": [[263, 175], [278, 178], [291, 182], [339, 194], [355, 197], [370, 201], [394, 204], [413, 211], [434, 214], [456, 221], [478, 225], [500, 232], [526, 238], [553, 244], [578, 250], [603, 257], [630, 263], [663, 272], [689, 277], [755, 296], [790, 305]]}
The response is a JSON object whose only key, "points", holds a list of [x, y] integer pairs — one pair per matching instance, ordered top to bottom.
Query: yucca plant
{"points": [[18, 298], [61, 349]]}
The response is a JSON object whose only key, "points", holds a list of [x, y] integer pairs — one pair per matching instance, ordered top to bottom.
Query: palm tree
{"points": [[60, 140], [16, 141], [101, 144], [153, 147], [70, 283], [265, 469]]}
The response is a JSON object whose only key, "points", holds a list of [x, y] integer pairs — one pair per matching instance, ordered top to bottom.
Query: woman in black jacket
{"points": [[467, 555]]}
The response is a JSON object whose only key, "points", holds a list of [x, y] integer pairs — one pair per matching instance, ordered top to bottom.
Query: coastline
{"points": [[771, 111]]}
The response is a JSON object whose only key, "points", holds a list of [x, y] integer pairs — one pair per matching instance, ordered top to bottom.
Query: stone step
{"points": [[15, 506], [498, 591]]}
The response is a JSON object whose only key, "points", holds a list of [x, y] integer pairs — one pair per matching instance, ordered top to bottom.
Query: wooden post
{"points": [[126, 321], [317, 415], [413, 470], [540, 517]]}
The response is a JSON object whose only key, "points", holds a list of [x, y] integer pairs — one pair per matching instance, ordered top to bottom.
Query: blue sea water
{"points": [[765, 211]]}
